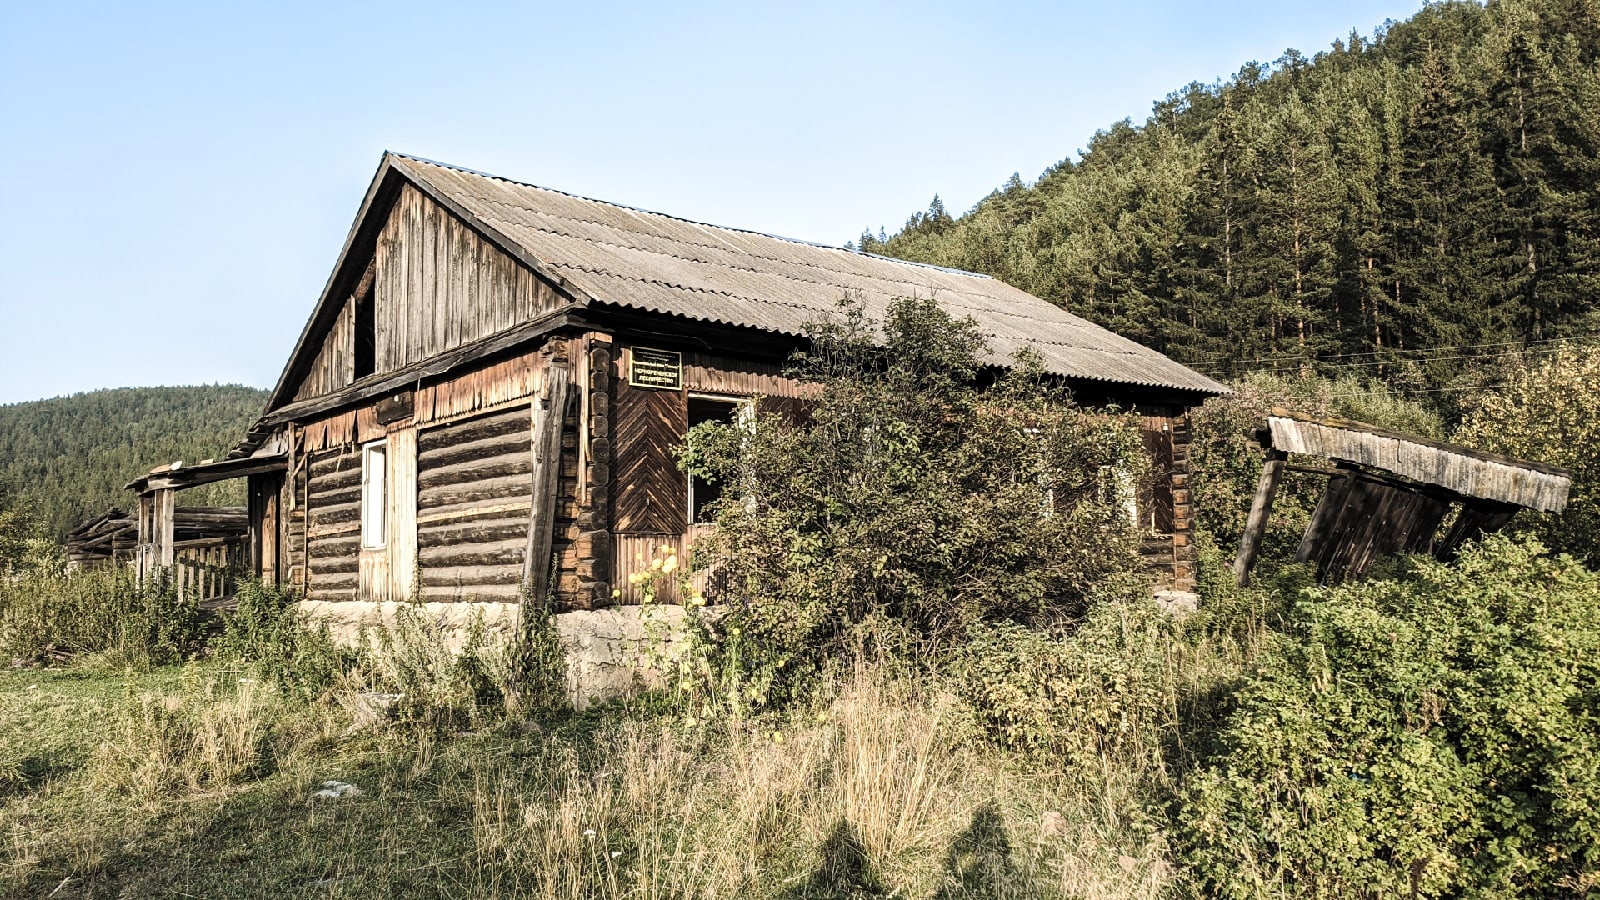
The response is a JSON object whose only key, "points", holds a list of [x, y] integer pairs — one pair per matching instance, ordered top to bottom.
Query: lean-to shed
{"points": [[489, 388], [1390, 492]]}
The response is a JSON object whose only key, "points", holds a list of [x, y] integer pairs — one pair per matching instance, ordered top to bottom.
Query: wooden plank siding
{"points": [[439, 285], [334, 365], [650, 495]]}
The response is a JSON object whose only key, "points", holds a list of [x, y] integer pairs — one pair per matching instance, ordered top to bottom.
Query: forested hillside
{"points": [[1414, 205], [69, 457]]}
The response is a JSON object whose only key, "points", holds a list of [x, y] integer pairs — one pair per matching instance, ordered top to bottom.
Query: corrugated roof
{"points": [[654, 262]]}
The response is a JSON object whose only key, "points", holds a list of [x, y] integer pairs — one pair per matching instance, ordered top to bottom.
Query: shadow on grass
{"points": [[979, 863], [845, 870]]}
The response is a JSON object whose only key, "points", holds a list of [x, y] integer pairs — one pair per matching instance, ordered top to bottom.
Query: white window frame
{"points": [[744, 416], [375, 483]]}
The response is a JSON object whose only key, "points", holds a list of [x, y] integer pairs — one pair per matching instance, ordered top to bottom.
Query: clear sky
{"points": [[178, 178]]}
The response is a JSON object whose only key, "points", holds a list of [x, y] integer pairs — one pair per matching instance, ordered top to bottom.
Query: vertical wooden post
{"points": [[549, 412], [166, 507], [1260, 511], [402, 543], [141, 555]]}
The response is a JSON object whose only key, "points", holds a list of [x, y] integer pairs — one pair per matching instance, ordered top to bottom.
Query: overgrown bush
{"points": [[1549, 411], [913, 502], [52, 614], [266, 631], [1101, 694], [1433, 735]]}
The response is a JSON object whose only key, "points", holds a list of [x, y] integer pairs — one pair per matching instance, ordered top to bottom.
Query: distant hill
{"points": [[69, 457]]}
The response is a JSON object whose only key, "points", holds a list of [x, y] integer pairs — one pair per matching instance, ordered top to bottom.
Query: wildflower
{"points": [[667, 549], [655, 565], [670, 565], [615, 593], [777, 737], [588, 832], [616, 853]]}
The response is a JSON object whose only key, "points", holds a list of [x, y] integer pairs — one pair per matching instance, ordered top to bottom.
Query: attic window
{"points": [[365, 335]]}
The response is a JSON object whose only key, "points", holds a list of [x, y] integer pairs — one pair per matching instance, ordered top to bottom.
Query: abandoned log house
{"points": [[491, 384]]}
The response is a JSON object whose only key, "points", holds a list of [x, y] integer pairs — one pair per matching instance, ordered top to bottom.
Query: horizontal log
{"points": [[499, 424], [448, 452], [325, 460], [476, 470], [340, 484], [488, 490], [321, 498], [334, 513], [448, 513], [321, 532], [473, 532], [335, 551], [488, 553], [450, 576], [321, 580], [504, 593], [333, 595]]}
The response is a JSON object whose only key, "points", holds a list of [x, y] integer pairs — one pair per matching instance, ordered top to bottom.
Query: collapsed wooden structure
{"points": [[486, 398], [1389, 493], [206, 550]]}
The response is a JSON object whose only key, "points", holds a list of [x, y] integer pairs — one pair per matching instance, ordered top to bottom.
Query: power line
{"points": [[1280, 365]]}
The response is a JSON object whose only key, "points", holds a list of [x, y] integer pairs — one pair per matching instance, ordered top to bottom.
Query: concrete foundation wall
{"points": [[611, 653]]}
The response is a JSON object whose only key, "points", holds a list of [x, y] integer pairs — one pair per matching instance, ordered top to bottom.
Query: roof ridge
{"points": [[650, 212]]}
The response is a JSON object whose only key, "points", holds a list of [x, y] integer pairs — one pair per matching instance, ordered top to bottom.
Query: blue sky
{"points": [[177, 178]]}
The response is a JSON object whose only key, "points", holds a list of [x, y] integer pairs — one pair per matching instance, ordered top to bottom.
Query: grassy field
{"points": [[199, 781]]}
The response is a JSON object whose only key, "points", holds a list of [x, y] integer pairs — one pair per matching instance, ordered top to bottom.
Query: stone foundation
{"points": [[611, 652]]}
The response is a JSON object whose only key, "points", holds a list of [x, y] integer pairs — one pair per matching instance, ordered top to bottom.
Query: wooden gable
{"points": [[431, 284]]}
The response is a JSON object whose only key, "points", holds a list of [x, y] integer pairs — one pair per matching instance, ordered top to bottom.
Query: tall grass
{"points": [[102, 612]]}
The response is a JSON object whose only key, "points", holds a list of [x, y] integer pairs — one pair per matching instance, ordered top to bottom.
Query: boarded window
{"points": [[374, 494]]}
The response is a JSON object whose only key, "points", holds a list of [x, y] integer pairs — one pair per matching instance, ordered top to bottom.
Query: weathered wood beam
{"points": [[386, 382], [548, 415], [1260, 511]]}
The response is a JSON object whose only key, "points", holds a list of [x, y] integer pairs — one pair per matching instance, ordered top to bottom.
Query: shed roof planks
{"points": [[1461, 470], [1365, 515]]}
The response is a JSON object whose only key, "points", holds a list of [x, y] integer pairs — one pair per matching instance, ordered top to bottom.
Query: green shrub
{"points": [[1549, 412], [913, 502], [51, 614], [265, 630], [1101, 694], [1434, 735]]}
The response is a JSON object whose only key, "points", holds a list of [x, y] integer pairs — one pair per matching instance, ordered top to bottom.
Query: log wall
{"points": [[439, 285], [474, 496], [1165, 512], [333, 523]]}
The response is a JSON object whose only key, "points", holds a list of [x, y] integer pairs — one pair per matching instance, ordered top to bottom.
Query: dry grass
{"points": [[882, 787]]}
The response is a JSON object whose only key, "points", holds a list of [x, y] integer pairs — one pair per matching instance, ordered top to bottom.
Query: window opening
{"points": [[366, 335], [728, 410], [374, 495]]}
